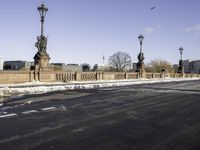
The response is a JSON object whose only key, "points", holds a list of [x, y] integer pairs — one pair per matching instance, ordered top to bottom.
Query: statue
{"points": [[41, 43], [141, 57], [140, 64]]}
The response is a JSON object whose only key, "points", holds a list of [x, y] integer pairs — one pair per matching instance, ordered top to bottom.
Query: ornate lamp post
{"points": [[43, 11], [141, 38], [41, 58], [103, 59], [140, 64], [180, 67]]}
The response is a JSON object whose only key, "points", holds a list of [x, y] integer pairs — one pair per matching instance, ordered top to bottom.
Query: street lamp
{"points": [[42, 10], [141, 37], [181, 52], [41, 58], [140, 64], [180, 67]]}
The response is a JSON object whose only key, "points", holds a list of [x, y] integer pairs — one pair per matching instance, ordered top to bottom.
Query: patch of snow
{"points": [[43, 87]]}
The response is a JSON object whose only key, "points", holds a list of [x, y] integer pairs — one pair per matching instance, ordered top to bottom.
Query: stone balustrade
{"points": [[61, 76], [66, 76]]}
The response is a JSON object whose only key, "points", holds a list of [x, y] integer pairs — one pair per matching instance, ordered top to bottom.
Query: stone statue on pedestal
{"points": [[42, 58]]}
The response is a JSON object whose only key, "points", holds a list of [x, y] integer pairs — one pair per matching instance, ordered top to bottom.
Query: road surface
{"points": [[140, 117]]}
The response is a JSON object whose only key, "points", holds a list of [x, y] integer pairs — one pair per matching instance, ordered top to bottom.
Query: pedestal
{"points": [[42, 60], [141, 69]]}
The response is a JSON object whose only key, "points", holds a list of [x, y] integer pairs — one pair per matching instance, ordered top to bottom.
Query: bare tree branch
{"points": [[120, 61]]}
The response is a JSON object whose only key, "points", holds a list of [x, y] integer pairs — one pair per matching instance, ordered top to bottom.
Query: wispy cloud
{"points": [[194, 28], [152, 29], [5, 45]]}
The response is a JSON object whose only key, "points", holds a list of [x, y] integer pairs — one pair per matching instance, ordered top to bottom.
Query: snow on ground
{"points": [[44, 87]]}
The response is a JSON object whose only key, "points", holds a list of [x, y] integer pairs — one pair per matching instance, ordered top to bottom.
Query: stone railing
{"points": [[133, 75], [16, 76], [61, 76], [66, 76], [88, 76], [120, 76]]}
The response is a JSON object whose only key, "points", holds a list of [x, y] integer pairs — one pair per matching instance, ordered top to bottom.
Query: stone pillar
{"points": [[36, 71], [143, 71], [162, 74], [99, 75], [126, 75], [138, 75], [153, 75], [183, 75], [31, 76], [78, 76]]}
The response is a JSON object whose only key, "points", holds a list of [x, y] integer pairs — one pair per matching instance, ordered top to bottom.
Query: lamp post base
{"points": [[42, 60], [141, 69]]}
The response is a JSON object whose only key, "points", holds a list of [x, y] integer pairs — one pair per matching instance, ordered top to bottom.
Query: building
{"points": [[1, 63], [17, 65], [58, 66], [186, 66], [189, 66], [195, 66], [64, 67], [73, 67], [102, 67], [134, 67]]}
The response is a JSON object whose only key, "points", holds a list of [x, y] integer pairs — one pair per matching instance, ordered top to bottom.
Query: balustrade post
{"points": [[126, 75], [78, 76]]}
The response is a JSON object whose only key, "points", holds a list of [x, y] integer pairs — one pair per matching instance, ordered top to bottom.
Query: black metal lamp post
{"points": [[42, 10], [141, 37], [41, 43], [181, 52], [41, 58], [140, 64], [180, 67]]}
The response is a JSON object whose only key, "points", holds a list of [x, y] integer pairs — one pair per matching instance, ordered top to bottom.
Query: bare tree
{"points": [[120, 61], [158, 65]]}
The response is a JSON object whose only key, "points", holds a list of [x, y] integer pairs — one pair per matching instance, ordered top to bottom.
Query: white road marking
{"points": [[29, 102], [48, 108], [29, 111], [3, 113], [8, 115]]}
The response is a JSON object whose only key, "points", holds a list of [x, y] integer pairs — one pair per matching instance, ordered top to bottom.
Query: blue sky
{"points": [[82, 31]]}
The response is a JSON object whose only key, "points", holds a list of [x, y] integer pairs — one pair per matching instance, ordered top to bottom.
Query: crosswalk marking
{"points": [[29, 111], [5, 115], [8, 115]]}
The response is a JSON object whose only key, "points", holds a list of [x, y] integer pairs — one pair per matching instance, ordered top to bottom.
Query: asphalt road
{"points": [[143, 117]]}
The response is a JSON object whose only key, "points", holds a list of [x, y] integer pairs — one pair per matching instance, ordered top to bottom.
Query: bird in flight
{"points": [[153, 8]]}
